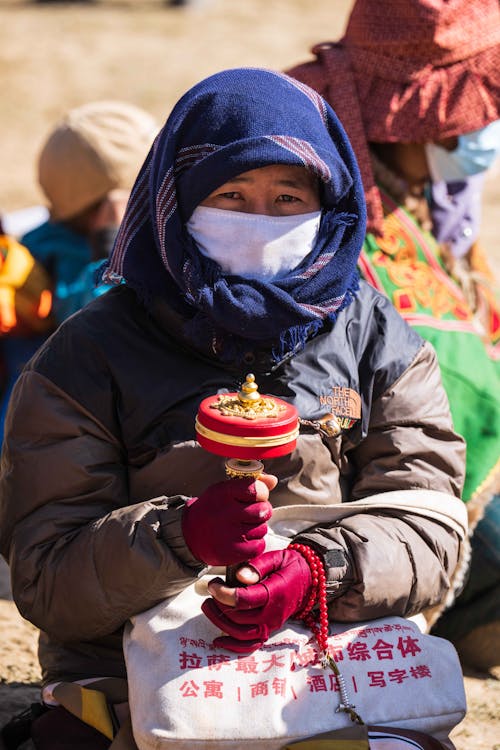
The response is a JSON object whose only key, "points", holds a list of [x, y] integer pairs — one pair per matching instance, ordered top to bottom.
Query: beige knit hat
{"points": [[94, 149]]}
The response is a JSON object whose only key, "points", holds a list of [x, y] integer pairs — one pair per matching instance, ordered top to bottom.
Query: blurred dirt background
{"points": [[57, 55]]}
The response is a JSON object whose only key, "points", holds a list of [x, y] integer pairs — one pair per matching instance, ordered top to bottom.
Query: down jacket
{"points": [[100, 447]]}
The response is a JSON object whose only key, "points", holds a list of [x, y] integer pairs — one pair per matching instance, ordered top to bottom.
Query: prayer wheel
{"points": [[246, 428]]}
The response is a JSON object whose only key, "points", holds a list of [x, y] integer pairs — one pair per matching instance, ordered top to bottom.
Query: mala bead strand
{"points": [[317, 596], [319, 627]]}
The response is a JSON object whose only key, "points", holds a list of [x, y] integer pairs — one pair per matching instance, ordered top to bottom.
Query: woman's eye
{"points": [[231, 195], [288, 198]]}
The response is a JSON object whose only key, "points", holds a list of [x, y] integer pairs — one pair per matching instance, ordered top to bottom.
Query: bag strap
{"points": [[290, 520], [358, 738]]}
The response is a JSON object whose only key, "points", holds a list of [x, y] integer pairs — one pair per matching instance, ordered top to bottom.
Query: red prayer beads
{"points": [[317, 596], [319, 627]]}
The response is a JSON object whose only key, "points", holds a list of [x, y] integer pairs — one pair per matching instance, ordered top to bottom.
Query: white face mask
{"points": [[474, 153], [253, 245]]}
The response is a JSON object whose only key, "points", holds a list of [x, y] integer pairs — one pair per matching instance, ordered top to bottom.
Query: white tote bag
{"points": [[185, 693]]}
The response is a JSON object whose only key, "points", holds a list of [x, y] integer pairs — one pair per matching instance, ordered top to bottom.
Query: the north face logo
{"points": [[344, 403]]}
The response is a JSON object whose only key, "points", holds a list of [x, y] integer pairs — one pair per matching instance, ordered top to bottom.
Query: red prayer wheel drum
{"points": [[247, 426]]}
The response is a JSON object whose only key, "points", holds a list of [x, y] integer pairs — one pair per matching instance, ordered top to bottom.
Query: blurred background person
{"points": [[417, 87], [86, 169]]}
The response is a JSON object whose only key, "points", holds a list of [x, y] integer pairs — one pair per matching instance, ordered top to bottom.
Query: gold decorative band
{"points": [[244, 440]]}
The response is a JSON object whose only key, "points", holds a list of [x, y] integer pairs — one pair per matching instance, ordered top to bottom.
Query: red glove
{"points": [[226, 524], [262, 608]]}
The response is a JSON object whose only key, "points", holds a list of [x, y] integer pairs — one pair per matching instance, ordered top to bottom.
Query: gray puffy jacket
{"points": [[100, 442]]}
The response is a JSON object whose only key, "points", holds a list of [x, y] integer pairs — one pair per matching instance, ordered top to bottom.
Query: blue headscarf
{"points": [[230, 123]]}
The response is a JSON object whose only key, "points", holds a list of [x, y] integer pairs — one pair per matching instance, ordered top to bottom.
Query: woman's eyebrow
{"points": [[239, 178], [285, 182], [293, 183]]}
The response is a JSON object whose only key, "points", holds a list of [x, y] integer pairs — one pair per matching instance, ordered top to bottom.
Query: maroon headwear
{"points": [[409, 71]]}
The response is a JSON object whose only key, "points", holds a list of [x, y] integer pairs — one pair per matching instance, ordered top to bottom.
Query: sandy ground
{"points": [[58, 55]]}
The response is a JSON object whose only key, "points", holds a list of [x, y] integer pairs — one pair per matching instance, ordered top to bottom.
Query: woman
{"points": [[237, 252]]}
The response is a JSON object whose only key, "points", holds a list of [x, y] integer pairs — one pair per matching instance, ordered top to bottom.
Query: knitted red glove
{"points": [[226, 524], [262, 608]]}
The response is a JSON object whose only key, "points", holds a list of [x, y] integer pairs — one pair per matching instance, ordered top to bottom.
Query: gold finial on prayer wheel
{"points": [[249, 393]]}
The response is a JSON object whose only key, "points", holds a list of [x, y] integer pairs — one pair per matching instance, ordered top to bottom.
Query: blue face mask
{"points": [[474, 153]]}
